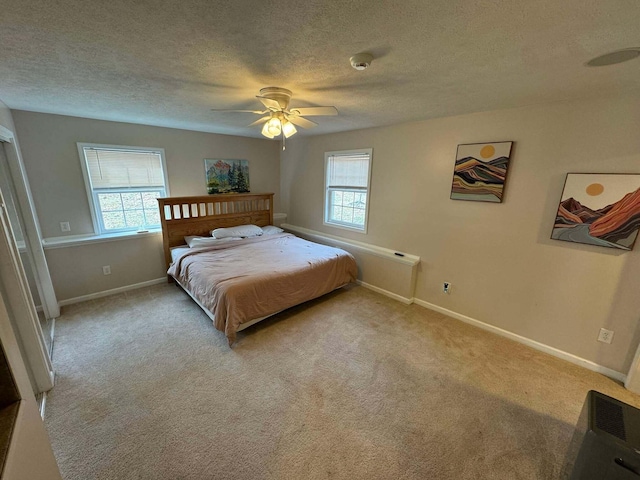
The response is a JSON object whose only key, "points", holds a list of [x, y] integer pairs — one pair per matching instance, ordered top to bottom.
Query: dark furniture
{"points": [[606, 442]]}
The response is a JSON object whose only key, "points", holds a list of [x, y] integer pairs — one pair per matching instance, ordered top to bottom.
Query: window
{"points": [[347, 176], [123, 184]]}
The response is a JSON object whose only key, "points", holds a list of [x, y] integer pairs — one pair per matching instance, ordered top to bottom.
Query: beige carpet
{"points": [[350, 386]]}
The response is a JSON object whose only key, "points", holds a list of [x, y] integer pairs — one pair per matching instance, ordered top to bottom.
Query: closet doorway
{"points": [[35, 306]]}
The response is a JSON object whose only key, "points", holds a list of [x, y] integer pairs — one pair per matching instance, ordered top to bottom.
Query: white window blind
{"points": [[123, 169], [348, 170], [123, 185]]}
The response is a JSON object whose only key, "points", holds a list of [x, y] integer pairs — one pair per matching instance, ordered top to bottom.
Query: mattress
{"points": [[256, 277]]}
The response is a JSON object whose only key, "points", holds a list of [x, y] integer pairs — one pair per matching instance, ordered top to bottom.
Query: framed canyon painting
{"points": [[480, 171], [599, 209]]}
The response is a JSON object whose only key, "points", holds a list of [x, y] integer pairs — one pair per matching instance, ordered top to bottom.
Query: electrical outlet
{"points": [[65, 227], [106, 270], [446, 287], [605, 335]]}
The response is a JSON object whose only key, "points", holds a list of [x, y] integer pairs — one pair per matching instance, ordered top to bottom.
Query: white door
{"points": [[16, 222], [18, 286]]}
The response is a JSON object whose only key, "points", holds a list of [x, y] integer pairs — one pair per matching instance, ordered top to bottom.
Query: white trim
{"points": [[6, 135], [87, 182], [87, 186], [325, 215], [29, 218], [345, 227], [76, 240], [395, 255], [113, 291], [387, 293], [23, 310], [53, 336], [569, 357], [589, 365], [632, 382], [43, 404]]}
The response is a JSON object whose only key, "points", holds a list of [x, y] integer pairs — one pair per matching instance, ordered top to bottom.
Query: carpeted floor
{"points": [[350, 386]]}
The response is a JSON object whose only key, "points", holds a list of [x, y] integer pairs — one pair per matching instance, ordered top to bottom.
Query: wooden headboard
{"points": [[182, 216]]}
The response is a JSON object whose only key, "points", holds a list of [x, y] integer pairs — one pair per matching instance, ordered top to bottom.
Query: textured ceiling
{"points": [[169, 62]]}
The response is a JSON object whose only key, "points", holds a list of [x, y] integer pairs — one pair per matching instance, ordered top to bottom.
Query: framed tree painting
{"points": [[480, 171], [226, 176], [599, 209]]}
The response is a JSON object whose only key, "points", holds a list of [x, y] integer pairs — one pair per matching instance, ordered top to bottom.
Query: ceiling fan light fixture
{"points": [[277, 119], [274, 127], [288, 129], [265, 131]]}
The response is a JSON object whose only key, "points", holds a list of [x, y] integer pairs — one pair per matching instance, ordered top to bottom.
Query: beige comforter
{"points": [[252, 278]]}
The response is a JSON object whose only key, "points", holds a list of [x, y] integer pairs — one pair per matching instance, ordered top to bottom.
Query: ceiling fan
{"points": [[278, 117]]}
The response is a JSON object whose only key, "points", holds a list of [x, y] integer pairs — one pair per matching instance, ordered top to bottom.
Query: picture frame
{"points": [[480, 171], [226, 175], [600, 209]]}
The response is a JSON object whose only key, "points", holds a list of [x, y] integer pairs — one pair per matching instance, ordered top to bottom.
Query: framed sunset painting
{"points": [[480, 171], [599, 209]]}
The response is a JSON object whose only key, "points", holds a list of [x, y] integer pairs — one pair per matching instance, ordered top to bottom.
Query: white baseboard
{"points": [[106, 293], [387, 293], [588, 364], [43, 404]]}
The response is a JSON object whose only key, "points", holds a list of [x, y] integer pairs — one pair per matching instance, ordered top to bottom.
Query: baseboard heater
{"points": [[388, 271], [606, 442]]}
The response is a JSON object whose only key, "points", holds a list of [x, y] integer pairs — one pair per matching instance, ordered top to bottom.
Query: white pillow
{"points": [[271, 230], [243, 231], [207, 241]]}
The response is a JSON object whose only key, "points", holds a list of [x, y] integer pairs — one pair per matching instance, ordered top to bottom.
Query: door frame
{"points": [[31, 224], [19, 298], [22, 311]]}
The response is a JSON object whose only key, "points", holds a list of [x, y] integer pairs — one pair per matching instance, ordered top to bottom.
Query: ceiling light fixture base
{"points": [[280, 95]]}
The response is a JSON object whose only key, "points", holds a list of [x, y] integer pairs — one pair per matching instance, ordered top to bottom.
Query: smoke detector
{"points": [[361, 61]]}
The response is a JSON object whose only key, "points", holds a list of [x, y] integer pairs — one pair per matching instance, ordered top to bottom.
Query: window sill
{"points": [[346, 227], [77, 240]]}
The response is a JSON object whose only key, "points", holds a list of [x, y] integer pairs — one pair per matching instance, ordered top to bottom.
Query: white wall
{"points": [[50, 155], [504, 268]]}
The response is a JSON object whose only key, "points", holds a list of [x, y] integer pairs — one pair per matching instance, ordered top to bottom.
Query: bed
{"points": [[241, 282]]}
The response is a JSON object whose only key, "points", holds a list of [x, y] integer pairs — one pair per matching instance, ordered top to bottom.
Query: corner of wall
{"points": [[6, 118]]}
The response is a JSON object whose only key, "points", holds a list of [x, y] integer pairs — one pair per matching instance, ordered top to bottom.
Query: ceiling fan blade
{"points": [[269, 103], [311, 111], [258, 112], [259, 121], [301, 122]]}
